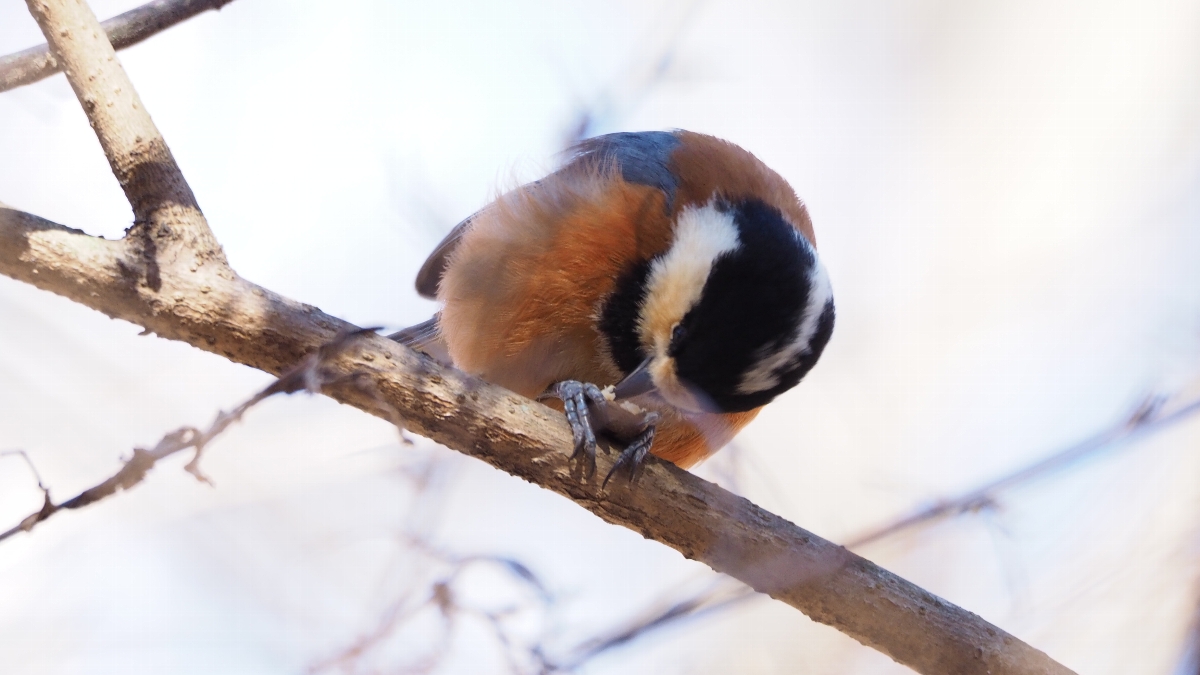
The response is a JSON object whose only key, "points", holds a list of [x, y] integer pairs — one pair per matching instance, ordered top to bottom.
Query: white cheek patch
{"points": [[702, 235], [765, 376]]}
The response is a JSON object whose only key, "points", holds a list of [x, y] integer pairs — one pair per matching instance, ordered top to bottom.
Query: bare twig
{"points": [[124, 30], [635, 83], [309, 375], [1151, 416], [28, 463], [722, 594], [442, 598], [1189, 660]]}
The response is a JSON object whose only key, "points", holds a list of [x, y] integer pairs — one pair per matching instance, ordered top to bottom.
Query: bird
{"points": [[661, 287]]}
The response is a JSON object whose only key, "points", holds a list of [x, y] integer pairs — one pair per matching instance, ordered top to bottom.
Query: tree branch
{"points": [[124, 30], [169, 229], [169, 276], [252, 325], [1154, 414], [722, 594]]}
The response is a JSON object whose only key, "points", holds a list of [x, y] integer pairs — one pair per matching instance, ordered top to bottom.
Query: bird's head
{"points": [[734, 313]]}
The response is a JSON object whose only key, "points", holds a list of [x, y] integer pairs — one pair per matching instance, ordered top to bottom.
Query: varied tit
{"points": [[673, 265]]}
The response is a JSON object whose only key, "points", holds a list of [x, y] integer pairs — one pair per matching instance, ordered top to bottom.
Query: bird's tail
{"points": [[425, 337]]}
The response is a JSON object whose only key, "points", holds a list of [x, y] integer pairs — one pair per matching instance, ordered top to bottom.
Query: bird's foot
{"points": [[575, 396], [590, 412], [633, 455]]}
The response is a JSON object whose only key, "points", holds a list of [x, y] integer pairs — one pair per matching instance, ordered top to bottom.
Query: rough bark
{"points": [[169, 276]]}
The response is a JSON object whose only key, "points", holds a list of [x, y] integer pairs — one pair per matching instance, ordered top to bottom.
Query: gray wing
{"points": [[642, 157], [430, 274]]}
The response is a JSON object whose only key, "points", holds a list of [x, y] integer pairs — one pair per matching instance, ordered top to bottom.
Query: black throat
{"points": [[619, 317]]}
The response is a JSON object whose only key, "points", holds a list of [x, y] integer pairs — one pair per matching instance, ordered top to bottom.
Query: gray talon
{"points": [[575, 395], [618, 423], [633, 456]]}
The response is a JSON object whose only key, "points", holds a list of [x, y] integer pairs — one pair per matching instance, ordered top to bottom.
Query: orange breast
{"points": [[684, 441]]}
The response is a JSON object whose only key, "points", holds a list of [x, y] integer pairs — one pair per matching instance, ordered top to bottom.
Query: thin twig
{"points": [[124, 30], [636, 83], [308, 375], [29, 463], [719, 596], [451, 609]]}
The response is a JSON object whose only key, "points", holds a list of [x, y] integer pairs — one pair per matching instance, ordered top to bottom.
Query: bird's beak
{"points": [[636, 383]]}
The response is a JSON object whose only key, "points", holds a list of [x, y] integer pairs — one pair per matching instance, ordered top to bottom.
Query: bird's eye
{"points": [[678, 333]]}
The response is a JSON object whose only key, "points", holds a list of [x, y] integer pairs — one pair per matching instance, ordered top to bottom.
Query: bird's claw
{"points": [[575, 396], [588, 412], [633, 455]]}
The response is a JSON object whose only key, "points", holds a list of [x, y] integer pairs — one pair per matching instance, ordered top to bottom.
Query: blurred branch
{"points": [[124, 30], [635, 83], [169, 275], [309, 375], [1151, 416], [723, 594], [436, 596], [450, 609], [1189, 660]]}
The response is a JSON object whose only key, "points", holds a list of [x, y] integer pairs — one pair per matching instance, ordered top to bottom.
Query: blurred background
{"points": [[1007, 197]]}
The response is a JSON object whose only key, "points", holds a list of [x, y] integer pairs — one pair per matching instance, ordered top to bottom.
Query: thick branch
{"points": [[124, 30], [168, 226], [251, 325], [1154, 414]]}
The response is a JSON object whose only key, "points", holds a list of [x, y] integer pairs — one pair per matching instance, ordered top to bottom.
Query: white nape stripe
{"points": [[702, 235], [765, 373]]}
